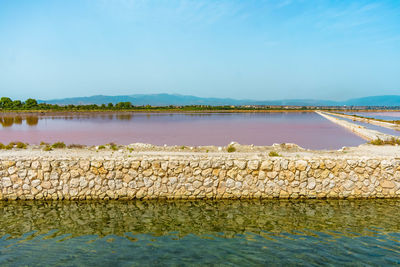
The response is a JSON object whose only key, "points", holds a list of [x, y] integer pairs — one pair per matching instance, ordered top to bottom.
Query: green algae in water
{"points": [[309, 232]]}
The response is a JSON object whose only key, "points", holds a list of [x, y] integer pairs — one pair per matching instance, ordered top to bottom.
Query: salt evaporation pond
{"points": [[387, 115], [370, 126], [306, 129], [200, 233]]}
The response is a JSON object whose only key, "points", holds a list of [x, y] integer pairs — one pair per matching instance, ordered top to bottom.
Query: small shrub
{"points": [[394, 141], [377, 142], [380, 142], [44, 143], [21, 145], [58, 145], [2, 146], [10, 146], [75, 146], [113, 146], [101, 147], [182, 147], [47, 148], [130, 149], [231, 149], [207, 151], [274, 154]]}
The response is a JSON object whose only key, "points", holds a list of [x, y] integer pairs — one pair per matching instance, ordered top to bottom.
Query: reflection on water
{"points": [[18, 120], [32, 120], [8, 121], [306, 129], [200, 232]]}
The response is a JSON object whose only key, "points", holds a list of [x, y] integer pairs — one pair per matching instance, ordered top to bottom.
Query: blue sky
{"points": [[242, 49]]}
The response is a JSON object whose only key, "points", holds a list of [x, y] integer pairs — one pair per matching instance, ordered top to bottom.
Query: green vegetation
{"points": [[7, 103], [32, 104], [380, 142], [21, 145], [58, 145], [2, 146], [10, 146], [75, 146], [113, 146], [101, 147], [182, 147], [47, 148], [231, 149], [273, 154]]}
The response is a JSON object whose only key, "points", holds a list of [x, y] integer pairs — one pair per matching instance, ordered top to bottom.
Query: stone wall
{"points": [[203, 176]]}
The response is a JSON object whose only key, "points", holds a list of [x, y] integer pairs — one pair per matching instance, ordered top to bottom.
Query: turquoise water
{"points": [[179, 233]]}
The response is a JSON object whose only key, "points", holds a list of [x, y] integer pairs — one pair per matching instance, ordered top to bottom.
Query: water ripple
{"points": [[226, 233]]}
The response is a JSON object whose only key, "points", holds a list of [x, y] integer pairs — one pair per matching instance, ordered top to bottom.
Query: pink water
{"points": [[308, 130]]}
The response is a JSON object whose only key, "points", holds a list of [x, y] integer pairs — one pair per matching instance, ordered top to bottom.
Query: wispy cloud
{"points": [[284, 3], [178, 11], [349, 17]]}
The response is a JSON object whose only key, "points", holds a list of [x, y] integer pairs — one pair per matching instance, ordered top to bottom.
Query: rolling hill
{"points": [[180, 100]]}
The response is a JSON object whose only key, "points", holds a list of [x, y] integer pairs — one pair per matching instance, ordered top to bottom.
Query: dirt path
{"points": [[134, 150]]}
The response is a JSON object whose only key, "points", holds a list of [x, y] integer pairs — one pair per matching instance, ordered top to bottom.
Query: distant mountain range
{"points": [[181, 100]]}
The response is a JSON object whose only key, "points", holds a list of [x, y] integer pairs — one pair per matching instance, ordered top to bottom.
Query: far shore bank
{"points": [[89, 112]]}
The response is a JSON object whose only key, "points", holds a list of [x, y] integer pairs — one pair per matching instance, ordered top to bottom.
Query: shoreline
{"points": [[106, 112], [382, 123], [363, 132], [283, 150]]}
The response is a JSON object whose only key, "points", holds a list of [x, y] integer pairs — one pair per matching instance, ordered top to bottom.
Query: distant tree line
{"points": [[7, 103]]}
